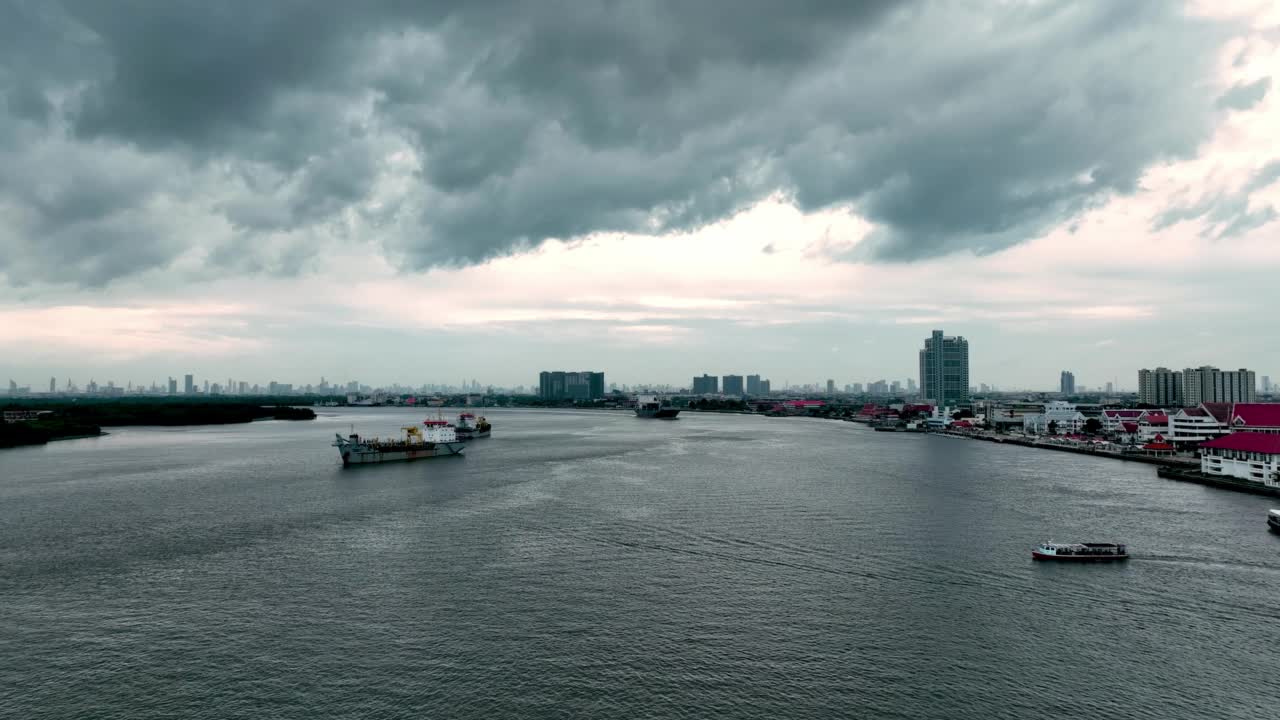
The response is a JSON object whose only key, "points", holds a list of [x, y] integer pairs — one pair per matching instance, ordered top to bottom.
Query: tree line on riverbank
{"points": [[65, 418]]}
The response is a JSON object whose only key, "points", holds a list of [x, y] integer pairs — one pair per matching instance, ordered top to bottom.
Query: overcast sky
{"points": [[419, 192]]}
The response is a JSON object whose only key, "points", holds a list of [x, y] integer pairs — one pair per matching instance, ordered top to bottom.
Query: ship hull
{"points": [[663, 414], [369, 457], [1273, 524], [1078, 558]]}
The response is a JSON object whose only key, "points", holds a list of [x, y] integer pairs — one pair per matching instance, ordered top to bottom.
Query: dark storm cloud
{"points": [[1245, 95], [458, 132]]}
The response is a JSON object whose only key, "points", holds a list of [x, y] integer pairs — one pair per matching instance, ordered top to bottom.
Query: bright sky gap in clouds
{"points": [[431, 192]]}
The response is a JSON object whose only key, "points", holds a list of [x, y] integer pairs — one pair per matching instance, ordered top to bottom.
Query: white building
{"points": [[1062, 415], [1113, 419], [1153, 424], [1194, 426], [1243, 455]]}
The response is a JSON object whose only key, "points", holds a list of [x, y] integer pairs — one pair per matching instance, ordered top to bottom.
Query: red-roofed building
{"points": [[923, 410], [1220, 411], [870, 412], [1256, 418], [1111, 419], [1153, 424], [1192, 426], [1127, 433], [1158, 446], [1246, 455]]}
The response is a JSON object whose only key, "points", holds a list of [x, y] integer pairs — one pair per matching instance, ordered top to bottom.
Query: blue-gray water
{"points": [[597, 565]]}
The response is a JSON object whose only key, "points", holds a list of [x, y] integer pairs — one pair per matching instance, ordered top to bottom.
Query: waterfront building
{"points": [[944, 369], [1067, 383], [732, 384], [706, 385], [753, 385], [1063, 416], [1255, 418], [1112, 419], [1153, 424], [1195, 425], [1127, 433], [1245, 455]]}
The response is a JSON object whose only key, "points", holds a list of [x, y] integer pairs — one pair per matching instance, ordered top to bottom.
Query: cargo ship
{"points": [[650, 406], [469, 427], [436, 439], [1080, 552]]}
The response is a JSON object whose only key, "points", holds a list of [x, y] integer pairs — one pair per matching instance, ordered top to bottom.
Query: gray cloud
{"points": [[1245, 95], [450, 133]]}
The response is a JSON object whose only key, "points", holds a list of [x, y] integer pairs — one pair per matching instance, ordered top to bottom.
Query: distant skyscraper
{"points": [[944, 369], [189, 384], [731, 384], [1067, 384], [1209, 384], [1266, 384], [53, 385], [561, 385], [706, 385], [753, 385], [173, 386], [831, 386], [911, 386], [764, 387], [1161, 387], [857, 388], [1110, 388]]}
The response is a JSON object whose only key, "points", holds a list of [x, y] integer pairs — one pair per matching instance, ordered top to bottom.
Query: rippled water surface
{"points": [[584, 564]]}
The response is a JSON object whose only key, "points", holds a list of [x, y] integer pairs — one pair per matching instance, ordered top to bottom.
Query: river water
{"points": [[592, 564]]}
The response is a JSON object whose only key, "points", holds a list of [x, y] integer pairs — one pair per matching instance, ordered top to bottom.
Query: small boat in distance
{"points": [[650, 406], [469, 427], [1273, 520], [1080, 552]]}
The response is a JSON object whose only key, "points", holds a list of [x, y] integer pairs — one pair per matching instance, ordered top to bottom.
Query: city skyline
{"points": [[790, 209], [907, 385]]}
